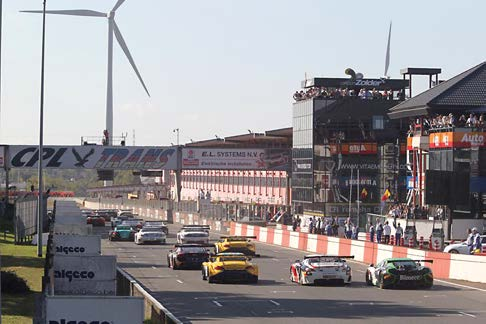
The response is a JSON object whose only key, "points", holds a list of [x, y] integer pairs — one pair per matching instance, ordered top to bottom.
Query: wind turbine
{"points": [[112, 30], [387, 55]]}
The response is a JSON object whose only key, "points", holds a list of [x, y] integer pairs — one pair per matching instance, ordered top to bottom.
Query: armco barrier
{"points": [[445, 265], [154, 311]]}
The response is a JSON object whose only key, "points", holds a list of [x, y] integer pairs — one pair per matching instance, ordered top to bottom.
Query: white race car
{"points": [[193, 234], [150, 235], [462, 247], [318, 269]]}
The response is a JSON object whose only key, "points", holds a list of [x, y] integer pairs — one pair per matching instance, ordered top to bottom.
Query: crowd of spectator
{"points": [[334, 93], [447, 121], [405, 211]]}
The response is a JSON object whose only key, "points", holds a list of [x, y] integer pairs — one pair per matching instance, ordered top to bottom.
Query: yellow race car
{"points": [[240, 244], [229, 266]]}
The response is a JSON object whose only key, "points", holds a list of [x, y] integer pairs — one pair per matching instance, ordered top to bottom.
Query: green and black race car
{"points": [[400, 272]]}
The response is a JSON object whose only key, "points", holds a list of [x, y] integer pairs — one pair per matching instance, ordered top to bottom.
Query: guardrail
{"points": [[154, 310]]}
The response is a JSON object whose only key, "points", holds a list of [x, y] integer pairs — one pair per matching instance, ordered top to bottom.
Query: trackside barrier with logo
{"points": [[77, 244], [445, 266], [84, 275], [94, 310]]}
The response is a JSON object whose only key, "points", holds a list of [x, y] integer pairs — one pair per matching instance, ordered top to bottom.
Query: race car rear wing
{"points": [[196, 226], [237, 237], [194, 245], [328, 256], [399, 261]]}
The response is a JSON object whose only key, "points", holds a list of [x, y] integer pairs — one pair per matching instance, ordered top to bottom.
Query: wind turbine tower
{"points": [[112, 30]]}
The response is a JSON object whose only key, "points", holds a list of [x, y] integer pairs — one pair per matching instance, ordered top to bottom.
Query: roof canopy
{"points": [[464, 92]]}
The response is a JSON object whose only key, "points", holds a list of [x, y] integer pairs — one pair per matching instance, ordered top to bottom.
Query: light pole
{"points": [[176, 130], [40, 209]]}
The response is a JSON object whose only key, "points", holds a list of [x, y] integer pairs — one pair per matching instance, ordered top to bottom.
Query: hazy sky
{"points": [[213, 67]]}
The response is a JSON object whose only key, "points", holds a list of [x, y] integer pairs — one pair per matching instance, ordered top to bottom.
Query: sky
{"points": [[213, 67]]}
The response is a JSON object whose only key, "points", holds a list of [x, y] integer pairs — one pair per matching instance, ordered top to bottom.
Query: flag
{"points": [[364, 194], [386, 195]]}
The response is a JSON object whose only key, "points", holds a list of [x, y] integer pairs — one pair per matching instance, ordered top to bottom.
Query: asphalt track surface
{"points": [[277, 300]]}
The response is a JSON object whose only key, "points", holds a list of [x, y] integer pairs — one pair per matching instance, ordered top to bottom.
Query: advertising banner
{"points": [[457, 139], [354, 148], [94, 157], [236, 159], [77, 244], [84, 275], [94, 309]]}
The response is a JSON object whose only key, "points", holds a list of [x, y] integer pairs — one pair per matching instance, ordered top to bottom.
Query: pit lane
{"points": [[276, 300]]}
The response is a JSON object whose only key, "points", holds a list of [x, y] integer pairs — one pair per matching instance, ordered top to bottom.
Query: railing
{"points": [[203, 207], [25, 217], [154, 310]]}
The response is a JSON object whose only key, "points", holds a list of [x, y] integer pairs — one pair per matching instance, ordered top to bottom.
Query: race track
{"points": [[277, 300]]}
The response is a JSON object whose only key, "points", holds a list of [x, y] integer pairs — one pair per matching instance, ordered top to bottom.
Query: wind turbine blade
{"points": [[118, 4], [81, 12], [124, 47], [387, 57]]}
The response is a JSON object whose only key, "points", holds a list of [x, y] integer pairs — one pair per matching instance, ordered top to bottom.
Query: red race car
{"points": [[95, 220]]}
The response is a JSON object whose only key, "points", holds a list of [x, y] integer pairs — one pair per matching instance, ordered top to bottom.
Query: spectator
{"points": [[471, 121], [294, 224], [311, 226], [318, 226], [323, 226], [335, 227], [328, 229], [347, 229], [354, 230], [372, 232], [379, 232], [387, 232], [398, 234], [469, 240], [476, 241]]}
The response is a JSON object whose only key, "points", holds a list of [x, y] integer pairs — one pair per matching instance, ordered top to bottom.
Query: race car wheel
{"points": [[216, 249], [453, 251], [168, 262], [174, 265], [291, 276], [204, 277], [301, 278], [210, 280], [369, 282], [382, 283]]}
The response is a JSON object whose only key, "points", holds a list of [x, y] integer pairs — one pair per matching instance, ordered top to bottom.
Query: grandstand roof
{"points": [[464, 92], [273, 138]]}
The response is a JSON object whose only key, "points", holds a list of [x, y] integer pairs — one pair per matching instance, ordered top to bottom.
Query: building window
{"points": [[378, 122]]}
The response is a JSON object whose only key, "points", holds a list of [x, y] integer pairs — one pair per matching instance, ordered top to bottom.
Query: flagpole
{"points": [[350, 192], [357, 199]]}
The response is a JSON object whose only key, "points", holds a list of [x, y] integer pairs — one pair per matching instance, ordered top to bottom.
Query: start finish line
{"points": [[92, 157]]}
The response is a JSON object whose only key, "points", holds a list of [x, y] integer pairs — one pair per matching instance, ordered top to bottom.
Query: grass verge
{"points": [[23, 260]]}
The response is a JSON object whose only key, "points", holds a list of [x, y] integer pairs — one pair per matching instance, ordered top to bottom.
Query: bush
{"points": [[13, 284]]}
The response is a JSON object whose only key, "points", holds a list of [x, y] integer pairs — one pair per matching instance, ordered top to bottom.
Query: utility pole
{"points": [[40, 209]]}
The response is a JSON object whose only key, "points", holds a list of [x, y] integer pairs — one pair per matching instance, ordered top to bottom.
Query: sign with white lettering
{"points": [[94, 157], [236, 159], [94, 309]]}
